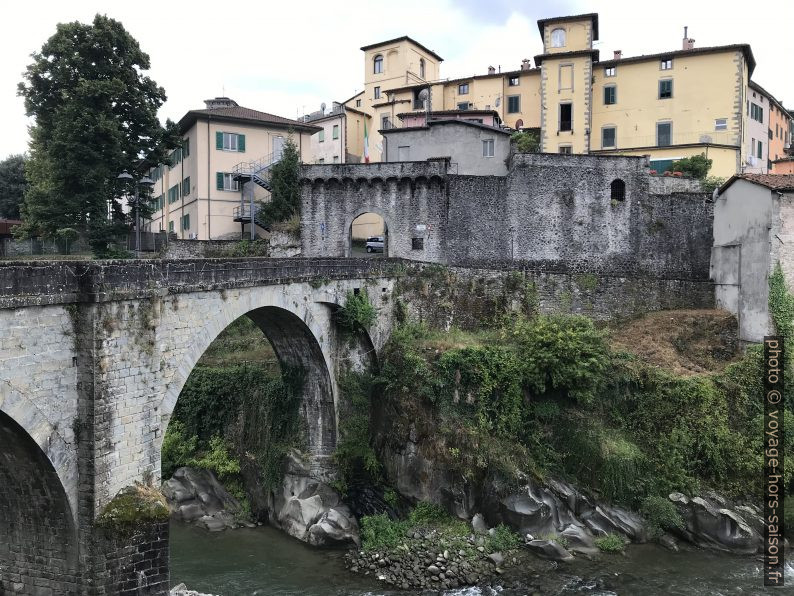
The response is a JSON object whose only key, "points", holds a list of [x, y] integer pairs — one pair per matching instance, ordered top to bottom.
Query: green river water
{"points": [[265, 561]]}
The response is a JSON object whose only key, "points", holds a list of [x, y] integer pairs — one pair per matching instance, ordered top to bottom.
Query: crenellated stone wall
{"points": [[551, 212]]}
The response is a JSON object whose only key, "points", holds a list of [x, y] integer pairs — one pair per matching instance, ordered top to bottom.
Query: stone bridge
{"points": [[93, 356]]}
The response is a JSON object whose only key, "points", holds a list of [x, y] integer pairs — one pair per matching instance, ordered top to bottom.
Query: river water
{"points": [[265, 561]]}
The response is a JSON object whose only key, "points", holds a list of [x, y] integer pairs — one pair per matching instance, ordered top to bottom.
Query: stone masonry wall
{"points": [[552, 212], [134, 564]]}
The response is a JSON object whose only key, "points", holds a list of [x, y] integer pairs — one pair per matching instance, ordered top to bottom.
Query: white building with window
{"points": [[756, 135], [472, 148], [196, 195]]}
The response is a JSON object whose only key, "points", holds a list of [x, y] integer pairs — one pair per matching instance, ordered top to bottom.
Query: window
{"points": [[558, 38], [377, 63], [666, 64], [421, 68], [609, 71], [566, 76], [513, 81], [665, 88], [463, 89], [377, 92], [610, 95], [358, 103], [513, 104], [463, 105], [756, 112], [566, 117], [384, 122], [721, 124], [335, 132], [664, 134], [321, 136], [771, 136], [608, 137], [229, 141], [185, 147], [487, 148], [760, 148], [566, 149], [403, 153], [174, 158], [336, 159], [321, 160], [224, 181], [186, 186], [617, 190], [173, 194], [186, 222], [170, 226], [417, 243]]}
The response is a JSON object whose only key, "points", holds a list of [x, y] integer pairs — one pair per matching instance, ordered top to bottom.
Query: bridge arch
{"points": [[299, 334], [38, 535]]}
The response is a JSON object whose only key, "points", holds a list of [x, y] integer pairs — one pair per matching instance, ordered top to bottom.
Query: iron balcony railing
{"points": [[243, 212]]}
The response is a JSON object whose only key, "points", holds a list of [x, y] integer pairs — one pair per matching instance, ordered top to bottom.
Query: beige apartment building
{"points": [[669, 105], [195, 195]]}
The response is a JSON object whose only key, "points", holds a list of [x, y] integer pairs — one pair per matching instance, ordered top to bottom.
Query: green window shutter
{"points": [[219, 140], [241, 143], [219, 180]]}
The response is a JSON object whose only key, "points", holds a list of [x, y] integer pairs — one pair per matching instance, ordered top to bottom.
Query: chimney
{"points": [[688, 42], [618, 54], [525, 64], [491, 70]]}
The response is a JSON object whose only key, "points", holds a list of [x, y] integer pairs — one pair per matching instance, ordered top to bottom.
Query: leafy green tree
{"points": [[95, 116], [526, 142], [697, 166], [12, 185], [285, 194]]}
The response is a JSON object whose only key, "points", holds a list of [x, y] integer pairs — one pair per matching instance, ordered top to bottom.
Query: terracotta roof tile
{"points": [[771, 181]]}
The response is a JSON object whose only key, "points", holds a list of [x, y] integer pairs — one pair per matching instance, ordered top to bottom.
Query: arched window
{"points": [[558, 38], [378, 64], [421, 68], [519, 123], [618, 190]]}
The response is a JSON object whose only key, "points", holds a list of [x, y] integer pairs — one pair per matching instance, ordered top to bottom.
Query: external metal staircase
{"points": [[257, 172]]}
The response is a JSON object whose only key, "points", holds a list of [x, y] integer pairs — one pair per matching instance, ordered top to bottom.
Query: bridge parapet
{"points": [[380, 171], [38, 283]]}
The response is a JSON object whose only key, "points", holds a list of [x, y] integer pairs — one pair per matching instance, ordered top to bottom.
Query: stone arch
{"points": [[356, 214], [298, 339], [60, 454], [38, 535]]}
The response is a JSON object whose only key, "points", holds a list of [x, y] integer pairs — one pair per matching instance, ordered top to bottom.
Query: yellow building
{"points": [[669, 106], [196, 195]]}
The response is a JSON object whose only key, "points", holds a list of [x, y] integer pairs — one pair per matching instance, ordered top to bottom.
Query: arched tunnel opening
{"points": [[369, 236], [38, 543]]}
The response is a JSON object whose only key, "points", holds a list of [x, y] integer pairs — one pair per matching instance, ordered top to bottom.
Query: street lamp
{"points": [[145, 182]]}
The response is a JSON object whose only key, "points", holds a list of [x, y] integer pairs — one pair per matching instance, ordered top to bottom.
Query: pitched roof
{"points": [[593, 16], [403, 38], [743, 47], [241, 114], [450, 122], [770, 181]]}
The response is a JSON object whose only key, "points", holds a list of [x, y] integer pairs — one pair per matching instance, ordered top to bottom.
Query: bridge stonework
{"points": [[93, 357]]}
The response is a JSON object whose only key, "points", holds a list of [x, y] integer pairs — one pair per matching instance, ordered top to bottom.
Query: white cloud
{"points": [[287, 58]]}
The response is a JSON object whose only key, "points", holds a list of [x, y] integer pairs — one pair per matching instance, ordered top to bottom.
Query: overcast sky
{"points": [[288, 57]]}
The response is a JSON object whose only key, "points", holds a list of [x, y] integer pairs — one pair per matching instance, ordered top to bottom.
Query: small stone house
{"points": [[753, 231]]}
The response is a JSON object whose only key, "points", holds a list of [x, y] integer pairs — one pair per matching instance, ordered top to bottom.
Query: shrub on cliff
{"points": [[563, 353]]}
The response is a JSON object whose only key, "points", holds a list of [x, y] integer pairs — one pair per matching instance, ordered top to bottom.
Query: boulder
{"points": [[195, 495], [309, 509], [711, 522], [478, 524], [549, 549]]}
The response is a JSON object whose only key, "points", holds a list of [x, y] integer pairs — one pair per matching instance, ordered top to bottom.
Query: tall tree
{"points": [[95, 115], [284, 181], [12, 185]]}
